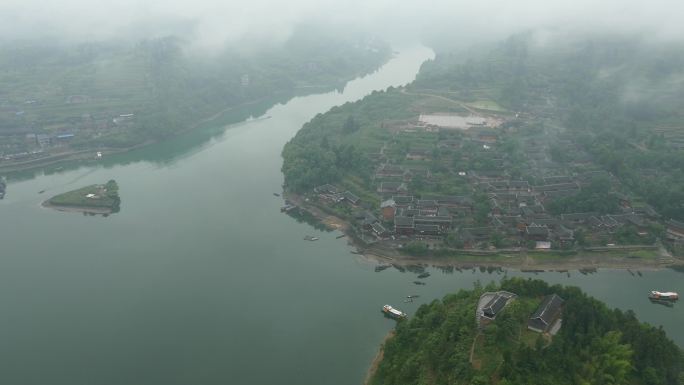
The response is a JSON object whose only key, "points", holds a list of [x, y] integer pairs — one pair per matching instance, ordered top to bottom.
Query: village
{"points": [[34, 138], [517, 189]]}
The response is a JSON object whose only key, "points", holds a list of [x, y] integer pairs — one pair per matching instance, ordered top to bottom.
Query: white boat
{"points": [[666, 295], [392, 312]]}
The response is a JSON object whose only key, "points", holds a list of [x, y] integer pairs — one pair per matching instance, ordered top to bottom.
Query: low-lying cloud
{"points": [[216, 23]]}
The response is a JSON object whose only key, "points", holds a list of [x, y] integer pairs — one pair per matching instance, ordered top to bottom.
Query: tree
{"points": [[350, 125], [608, 363]]}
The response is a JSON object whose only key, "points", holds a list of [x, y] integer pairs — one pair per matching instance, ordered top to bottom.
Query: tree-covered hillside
{"points": [[121, 94], [441, 344]]}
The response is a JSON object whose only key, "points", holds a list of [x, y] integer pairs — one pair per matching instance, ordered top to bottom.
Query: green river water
{"points": [[201, 280]]}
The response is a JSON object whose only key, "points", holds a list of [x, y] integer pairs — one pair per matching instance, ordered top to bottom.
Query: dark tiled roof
{"points": [[326, 188], [348, 195], [402, 199], [426, 203], [577, 217], [432, 219], [403, 221], [378, 228], [427, 228], [537, 230], [494, 306], [546, 313]]}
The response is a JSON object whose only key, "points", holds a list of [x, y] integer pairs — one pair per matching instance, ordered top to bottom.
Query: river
{"points": [[201, 280]]}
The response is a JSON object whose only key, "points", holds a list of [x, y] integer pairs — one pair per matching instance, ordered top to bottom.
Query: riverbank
{"points": [[90, 154], [384, 252], [377, 359]]}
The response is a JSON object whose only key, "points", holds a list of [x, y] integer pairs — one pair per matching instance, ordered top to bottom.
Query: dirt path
{"points": [[460, 104], [472, 349]]}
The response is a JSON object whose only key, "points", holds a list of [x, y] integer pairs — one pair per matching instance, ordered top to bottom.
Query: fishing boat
{"points": [[663, 296], [392, 312]]}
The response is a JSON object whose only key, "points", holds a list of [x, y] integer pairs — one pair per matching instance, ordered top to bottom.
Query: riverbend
{"points": [[201, 279]]}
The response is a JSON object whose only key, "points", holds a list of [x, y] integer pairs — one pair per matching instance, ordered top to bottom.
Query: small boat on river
{"points": [[310, 238], [663, 296], [392, 312]]}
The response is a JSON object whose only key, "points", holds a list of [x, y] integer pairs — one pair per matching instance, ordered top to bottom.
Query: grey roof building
{"points": [[547, 314]]}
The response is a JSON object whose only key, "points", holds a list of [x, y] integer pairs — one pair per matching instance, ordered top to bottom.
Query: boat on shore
{"points": [[287, 208], [663, 296], [392, 312]]}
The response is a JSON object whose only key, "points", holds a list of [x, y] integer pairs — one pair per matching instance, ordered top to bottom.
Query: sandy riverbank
{"points": [[377, 359]]}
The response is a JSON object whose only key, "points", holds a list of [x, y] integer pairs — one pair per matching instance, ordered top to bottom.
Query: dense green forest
{"points": [[161, 86], [336, 143], [595, 345]]}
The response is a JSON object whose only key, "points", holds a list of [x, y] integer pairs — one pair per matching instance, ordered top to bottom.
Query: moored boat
{"points": [[663, 296], [392, 312]]}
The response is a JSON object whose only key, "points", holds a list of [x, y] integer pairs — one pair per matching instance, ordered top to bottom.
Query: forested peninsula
{"points": [[518, 150], [445, 342]]}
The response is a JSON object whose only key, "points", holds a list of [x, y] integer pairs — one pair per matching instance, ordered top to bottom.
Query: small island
{"points": [[94, 199], [525, 332]]}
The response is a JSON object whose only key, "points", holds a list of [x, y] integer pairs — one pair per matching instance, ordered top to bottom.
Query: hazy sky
{"points": [[212, 23]]}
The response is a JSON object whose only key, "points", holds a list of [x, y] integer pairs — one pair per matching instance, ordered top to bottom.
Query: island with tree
{"points": [[94, 199], [499, 335]]}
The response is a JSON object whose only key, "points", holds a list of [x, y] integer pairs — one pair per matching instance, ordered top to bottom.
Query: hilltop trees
{"points": [[596, 345]]}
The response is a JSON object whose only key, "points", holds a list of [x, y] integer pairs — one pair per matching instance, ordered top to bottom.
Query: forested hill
{"points": [[119, 94], [441, 344]]}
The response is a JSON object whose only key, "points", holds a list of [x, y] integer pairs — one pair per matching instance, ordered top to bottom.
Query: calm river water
{"points": [[201, 280]]}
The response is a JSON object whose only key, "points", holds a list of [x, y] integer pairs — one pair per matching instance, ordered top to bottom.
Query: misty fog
{"points": [[211, 24]]}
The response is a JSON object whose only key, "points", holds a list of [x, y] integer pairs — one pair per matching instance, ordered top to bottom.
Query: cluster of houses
{"points": [[30, 141], [517, 201], [517, 213], [545, 319]]}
